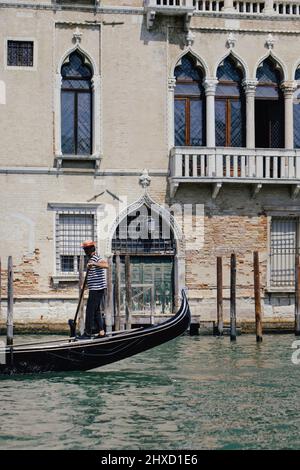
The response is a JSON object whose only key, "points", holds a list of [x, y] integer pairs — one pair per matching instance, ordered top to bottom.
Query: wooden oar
{"points": [[72, 323]]}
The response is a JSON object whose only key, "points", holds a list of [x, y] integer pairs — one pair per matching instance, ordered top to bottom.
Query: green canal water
{"points": [[191, 393]]}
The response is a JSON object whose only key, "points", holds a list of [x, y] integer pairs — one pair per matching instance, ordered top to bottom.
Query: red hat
{"points": [[88, 243]]}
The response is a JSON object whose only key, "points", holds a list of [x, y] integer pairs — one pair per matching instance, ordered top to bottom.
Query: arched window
{"points": [[189, 104], [229, 105], [76, 106], [269, 106], [297, 111]]}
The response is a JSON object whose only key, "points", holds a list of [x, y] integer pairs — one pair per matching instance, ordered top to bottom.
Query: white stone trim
{"points": [[35, 53], [238, 58], [276, 59], [200, 61]]}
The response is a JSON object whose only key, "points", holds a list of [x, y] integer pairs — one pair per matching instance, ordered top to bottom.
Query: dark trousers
{"points": [[94, 309]]}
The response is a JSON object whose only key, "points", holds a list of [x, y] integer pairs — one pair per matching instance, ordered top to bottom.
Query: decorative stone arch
{"points": [[200, 61], [239, 62], [278, 62], [96, 86], [171, 88], [146, 200]]}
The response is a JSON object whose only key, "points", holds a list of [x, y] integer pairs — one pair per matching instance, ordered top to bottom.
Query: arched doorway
{"points": [[148, 239]]}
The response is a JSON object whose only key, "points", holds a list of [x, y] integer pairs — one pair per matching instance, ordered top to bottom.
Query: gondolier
{"points": [[96, 283]]}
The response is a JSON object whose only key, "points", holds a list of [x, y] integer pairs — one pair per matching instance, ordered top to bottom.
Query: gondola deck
{"points": [[73, 354]]}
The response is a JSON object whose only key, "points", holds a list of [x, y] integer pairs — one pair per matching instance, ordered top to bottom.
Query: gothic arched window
{"points": [[189, 105], [229, 105], [76, 106], [269, 106]]}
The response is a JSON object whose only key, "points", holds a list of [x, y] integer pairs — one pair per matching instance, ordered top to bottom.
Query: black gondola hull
{"points": [[78, 355]]}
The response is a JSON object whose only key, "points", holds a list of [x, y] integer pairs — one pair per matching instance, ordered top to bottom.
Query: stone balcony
{"points": [[188, 8], [218, 166]]}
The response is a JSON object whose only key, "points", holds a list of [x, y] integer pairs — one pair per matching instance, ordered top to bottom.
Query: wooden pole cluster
{"points": [[257, 296], [297, 297], [10, 303]]}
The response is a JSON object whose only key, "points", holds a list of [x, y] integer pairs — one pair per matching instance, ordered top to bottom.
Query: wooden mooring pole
{"points": [[80, 286], [117, 293], [128, 296], [219, 296], [297, 296], [109, 297], [233, 297], [10, 303], [258, 316]]}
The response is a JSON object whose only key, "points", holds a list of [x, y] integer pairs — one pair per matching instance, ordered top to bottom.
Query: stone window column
{"points": [[210, 85], [249, 89], [288, 89], [171, 111]]}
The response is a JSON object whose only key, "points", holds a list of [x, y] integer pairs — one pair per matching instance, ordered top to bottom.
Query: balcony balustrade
{"points": [[188, 8], [234, 165]]}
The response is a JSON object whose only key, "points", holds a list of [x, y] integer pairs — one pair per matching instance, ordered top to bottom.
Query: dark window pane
{"points": [[20, 53], [76, 67], [187, 70], [228, 71], [268, 73], [297, 74], [76, 84], [188, 89], [228, 90], [266, 92], [220, 109], [67, 122], [180, 122], [84, 123], [196, 124], [236, 124], [297, 125], [67, 264]]}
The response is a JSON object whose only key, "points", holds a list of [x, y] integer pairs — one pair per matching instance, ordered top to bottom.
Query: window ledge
{"points": [[78, 161], [59, 278], [280, 290]]}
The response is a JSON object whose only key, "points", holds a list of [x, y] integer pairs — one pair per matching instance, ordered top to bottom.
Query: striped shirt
{"points": [[96, 279]]}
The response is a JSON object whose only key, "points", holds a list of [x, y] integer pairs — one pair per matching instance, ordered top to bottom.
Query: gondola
{"points": [[74, 354]]}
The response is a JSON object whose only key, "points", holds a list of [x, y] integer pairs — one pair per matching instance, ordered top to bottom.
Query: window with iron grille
{"points": [[20, 53], [72, 228], [144, 232], [284, 247]]}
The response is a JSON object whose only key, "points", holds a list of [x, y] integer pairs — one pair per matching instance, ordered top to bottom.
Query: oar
{"points": [[72, 323]]}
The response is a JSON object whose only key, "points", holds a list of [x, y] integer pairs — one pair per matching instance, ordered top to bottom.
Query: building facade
{"points": [[111, 112]]}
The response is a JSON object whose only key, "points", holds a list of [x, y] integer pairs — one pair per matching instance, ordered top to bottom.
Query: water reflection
{"points": [[192, 393]]}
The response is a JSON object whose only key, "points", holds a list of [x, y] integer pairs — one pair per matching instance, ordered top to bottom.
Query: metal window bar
{"points": [[20, 53], [72, 228], [284, 248]]}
